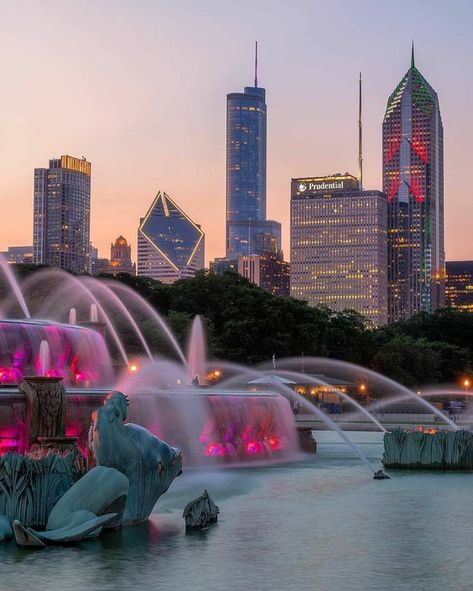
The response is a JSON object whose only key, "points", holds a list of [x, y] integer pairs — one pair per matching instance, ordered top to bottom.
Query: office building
{"points": [[413, 184], [61, 224], [170, 244], [339, 245], [19, 255], [120, 257], [221, 264], [100, 265], [268, 271], [459, 285]]}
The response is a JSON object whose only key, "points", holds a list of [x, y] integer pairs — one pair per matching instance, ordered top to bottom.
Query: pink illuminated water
{"points": [[77, 354]]}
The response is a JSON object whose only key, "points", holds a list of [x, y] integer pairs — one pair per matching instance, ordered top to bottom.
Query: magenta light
{"points": [[10, 375], [252, 447], [215, 449]]}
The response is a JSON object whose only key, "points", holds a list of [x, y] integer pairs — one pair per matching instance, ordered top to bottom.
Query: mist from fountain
{"points": [[10, 277], [95, 285], [68, 290], [151, 313], [197, 351], [353, 371], [245, 373], [304, 378], [160, 379], [411, 397], [210, 424]]}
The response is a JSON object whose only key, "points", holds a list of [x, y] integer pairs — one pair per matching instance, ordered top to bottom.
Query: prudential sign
{"points": [[303, 187]]}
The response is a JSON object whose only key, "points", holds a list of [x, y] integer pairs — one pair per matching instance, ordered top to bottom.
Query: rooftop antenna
{"points": [[412, 56], [256, 64], [360, 138]]}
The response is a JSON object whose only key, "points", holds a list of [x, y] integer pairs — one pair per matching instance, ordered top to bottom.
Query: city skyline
{"points": [[177, 135]]}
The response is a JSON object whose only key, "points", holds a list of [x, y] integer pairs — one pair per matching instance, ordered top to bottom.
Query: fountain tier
{"points": [[76, 354], [209, 426]]}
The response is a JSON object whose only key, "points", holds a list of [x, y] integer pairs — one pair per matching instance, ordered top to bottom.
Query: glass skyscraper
{"points": [[413, 184], [61, 223], [247, 230], [170, 244]]}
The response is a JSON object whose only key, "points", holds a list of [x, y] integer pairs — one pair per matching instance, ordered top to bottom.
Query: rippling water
{"points": [[322, 524]]}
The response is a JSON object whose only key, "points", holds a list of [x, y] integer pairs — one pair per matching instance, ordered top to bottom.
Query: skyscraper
{"points": [[413, 184], [61, 224], [247, 230], [170, 244], [339, 245]]}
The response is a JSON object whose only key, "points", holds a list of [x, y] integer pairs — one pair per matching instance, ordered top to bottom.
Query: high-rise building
{"points": [[413, 184], [61, 224], [247, 230], [170, 245], [339, 245], [19, 255], [120, 257], [100, 265], [268, 271], [459, 285]]}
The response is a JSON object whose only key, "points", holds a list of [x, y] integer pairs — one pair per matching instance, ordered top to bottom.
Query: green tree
{"points": [[408, 361]]}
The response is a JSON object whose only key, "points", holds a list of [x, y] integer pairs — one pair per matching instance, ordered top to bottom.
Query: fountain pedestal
{"points": [[46, 414]]}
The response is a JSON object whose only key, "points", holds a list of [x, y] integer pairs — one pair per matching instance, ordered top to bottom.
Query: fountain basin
{"points": [[210, 426]]}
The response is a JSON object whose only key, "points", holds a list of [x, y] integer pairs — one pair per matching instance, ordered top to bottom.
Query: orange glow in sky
{"points": [[139, 88]]}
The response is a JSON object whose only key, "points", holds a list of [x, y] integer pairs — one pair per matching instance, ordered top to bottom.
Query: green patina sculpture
{"points": [[429, 449], [149, 463]]}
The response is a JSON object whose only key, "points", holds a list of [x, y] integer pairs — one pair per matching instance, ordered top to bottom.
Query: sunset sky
{"points": [[138, 88]]}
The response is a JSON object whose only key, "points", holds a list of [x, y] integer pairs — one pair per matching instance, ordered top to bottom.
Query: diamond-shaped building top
{"points": [[170, 244]]}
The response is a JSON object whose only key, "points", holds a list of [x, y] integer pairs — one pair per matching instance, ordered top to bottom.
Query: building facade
{"points": [[413, 184], [61, 224], [247, 230], [170, 245], [339, 245], [19, 255], [120, 257], [268, 271], [459, 285]]}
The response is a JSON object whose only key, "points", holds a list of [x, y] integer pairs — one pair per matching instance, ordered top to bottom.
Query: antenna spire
{"points": [[412, 55], [256, 64], [360, 137]]}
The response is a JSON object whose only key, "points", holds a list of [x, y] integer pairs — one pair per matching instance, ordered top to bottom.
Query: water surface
{"points": [[322, 525]]}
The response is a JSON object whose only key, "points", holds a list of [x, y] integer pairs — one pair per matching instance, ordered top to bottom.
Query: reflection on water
{"points": [[323, 524]]}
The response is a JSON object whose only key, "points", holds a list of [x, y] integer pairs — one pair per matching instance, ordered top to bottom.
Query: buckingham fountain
{"points": [[83, 426], [92, 433]]}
